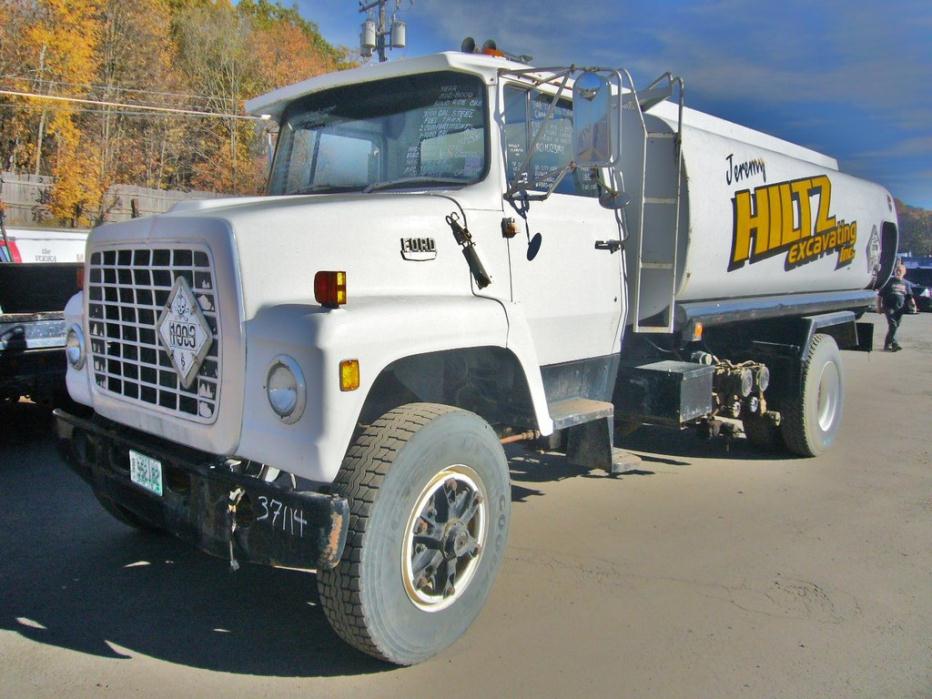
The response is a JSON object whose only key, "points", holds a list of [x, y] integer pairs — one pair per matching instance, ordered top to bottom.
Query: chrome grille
{"points": [[127, 290]]}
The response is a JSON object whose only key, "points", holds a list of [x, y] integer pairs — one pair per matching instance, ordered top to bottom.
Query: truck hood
{"points": [[281, 242]]}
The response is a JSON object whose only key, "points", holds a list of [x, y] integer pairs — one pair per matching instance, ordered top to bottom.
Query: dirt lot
{"points": [[707, 573]]}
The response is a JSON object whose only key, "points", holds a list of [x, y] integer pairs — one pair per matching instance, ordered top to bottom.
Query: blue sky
{"points": [[851, 79]]}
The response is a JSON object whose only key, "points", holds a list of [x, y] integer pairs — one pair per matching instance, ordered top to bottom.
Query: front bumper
{"points": [[204, 502]]}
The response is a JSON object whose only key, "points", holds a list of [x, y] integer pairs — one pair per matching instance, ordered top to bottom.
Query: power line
{"points": [[118, 87], [11, 107], [152, 108]]}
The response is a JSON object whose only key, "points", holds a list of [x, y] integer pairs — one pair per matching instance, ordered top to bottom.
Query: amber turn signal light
{"points": [[330, 288], [697, 332], [349, 374]]}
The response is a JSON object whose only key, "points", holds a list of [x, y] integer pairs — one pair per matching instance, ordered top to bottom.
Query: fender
{"points": [[376, 331], [521, 344], [78, 381]]}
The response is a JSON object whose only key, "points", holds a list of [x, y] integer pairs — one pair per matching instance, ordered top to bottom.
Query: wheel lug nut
{"points": [[419, 548]]}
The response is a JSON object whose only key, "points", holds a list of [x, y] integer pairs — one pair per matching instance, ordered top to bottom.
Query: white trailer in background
{"points": [[42, 245], [457, 251]]}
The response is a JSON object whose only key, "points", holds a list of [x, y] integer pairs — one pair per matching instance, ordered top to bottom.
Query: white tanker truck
{"points": [[457, 251]]}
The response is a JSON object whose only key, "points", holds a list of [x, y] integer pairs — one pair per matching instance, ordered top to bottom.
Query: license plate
{"points": [[145, 472]]}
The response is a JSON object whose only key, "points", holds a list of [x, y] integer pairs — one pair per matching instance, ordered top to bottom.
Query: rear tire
{"points": [[811, 420], [430, 506]]}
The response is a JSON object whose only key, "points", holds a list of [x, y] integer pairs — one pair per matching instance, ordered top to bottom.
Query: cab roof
{"points": [[487, 67], [274, 103]]}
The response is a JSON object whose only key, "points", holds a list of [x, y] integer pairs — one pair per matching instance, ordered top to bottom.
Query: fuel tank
{"points": [[758, 216]]}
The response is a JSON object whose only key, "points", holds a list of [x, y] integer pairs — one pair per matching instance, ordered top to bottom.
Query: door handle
{"points": [[610, 245]]}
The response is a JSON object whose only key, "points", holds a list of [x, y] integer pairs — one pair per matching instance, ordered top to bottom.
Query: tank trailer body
{"points": [[457, 252]]}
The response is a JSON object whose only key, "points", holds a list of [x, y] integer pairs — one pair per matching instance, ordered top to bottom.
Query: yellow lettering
{"points": [[801, 189], [781, 217], [823, 220], [748, 223], [776, 229], [788, 232]]}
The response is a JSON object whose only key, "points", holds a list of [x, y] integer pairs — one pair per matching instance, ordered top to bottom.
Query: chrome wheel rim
{"points": [[829, 383], [444, 538]]}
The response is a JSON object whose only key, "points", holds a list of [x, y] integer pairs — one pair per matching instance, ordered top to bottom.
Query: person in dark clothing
{"points": [[894, 297]]}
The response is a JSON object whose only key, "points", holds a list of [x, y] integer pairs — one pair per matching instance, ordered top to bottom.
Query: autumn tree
{"points": [[62, 42], [288, 47], [285, 53], [214, 55], [205, 56], [135, 65], [17, 115]]}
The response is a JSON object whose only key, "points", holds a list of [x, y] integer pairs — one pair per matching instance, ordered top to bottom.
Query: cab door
{"points": [[567, 262]]}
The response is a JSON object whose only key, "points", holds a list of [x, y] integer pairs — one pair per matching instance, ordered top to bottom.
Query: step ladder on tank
{"points": [[657, 216]]}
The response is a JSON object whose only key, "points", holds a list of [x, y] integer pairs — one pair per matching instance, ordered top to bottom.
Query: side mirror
{"points": [[593, 140], [614, 200]]}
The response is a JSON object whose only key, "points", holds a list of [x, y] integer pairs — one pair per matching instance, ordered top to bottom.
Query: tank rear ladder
{"points": [[658, 213]]}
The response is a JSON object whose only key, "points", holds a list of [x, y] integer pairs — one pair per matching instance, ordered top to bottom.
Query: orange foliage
{"points": [[63, 43], [202, 55], [284, 55]]}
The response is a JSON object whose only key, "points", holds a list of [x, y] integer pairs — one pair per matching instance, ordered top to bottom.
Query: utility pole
{"points": [[373, 35]]}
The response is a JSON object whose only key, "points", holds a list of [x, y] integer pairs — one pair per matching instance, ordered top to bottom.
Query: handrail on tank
{"points": [[671, 80]]}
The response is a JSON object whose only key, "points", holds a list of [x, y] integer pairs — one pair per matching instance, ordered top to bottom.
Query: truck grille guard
{"points": [[128, 288]]}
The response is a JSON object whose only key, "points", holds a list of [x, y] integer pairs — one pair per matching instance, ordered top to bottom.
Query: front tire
{"points": [[811, 420], [430, 508]]}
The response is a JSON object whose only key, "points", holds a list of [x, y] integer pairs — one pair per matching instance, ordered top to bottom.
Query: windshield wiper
{"points": [[402, 181], [326, 189]]}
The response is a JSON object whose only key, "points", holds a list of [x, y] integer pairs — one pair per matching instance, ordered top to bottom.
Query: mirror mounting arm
{"points": [[517, 185]]}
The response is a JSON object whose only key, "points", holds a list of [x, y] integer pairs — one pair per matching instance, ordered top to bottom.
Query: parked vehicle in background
{"points": [[459, 251], [40, 269], [919, 273]]}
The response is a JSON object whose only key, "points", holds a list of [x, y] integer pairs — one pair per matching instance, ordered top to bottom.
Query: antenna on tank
{"points": [[377, 35]]}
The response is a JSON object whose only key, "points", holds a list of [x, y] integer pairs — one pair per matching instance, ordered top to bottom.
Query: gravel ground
{"points": [[708, 572]]}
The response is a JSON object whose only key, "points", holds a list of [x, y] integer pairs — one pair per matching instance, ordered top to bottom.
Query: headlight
{"points": [[74, 347], [284, 386]]}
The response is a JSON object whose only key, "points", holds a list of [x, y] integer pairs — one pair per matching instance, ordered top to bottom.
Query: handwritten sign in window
{"points": [[526, 122]]}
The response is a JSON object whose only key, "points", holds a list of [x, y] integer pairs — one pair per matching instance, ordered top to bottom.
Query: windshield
{"points": [[414, 131]]}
